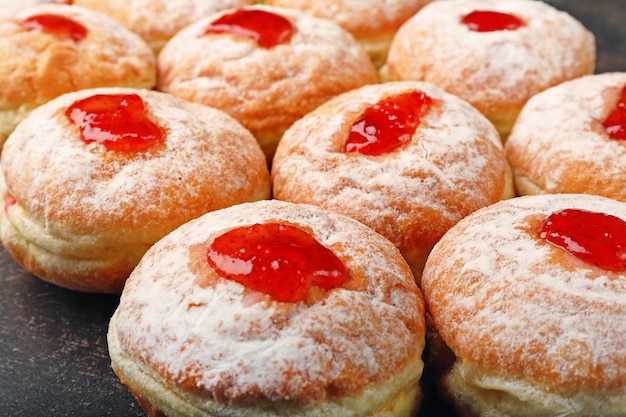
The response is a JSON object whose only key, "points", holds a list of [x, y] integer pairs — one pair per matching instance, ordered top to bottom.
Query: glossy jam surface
{"points": [[491, 21], [55, 25], [267, 29], [118, 121], [615, 123], [388, 124], [596, 238], [277, 259]]}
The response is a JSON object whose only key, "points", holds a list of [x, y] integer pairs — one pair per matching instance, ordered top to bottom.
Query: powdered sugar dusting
{"points": [[158, 21], [491, 69], [265, 89], [560, 145], [209, 162], [453, 165], [508, 301], [209, 337]]}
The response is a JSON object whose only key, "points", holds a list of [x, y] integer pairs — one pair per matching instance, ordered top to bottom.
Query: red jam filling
{"points": [[490, 21], [55, 25], [267, 29], [118, 121], [388, 124], [615, 124], [8, 202], [596, 238], [277, 259]]}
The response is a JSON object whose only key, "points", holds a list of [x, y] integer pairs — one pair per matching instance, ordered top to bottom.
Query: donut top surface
{"points": [[356, 16], [157, 21], [92, 50], [493, 69], [266, 89], [562, 141], [129, 163], [448, 164], [533, 287], [236, 343]]}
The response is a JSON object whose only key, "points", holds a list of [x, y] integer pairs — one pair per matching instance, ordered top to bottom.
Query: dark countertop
{"points": [[53, 353]]}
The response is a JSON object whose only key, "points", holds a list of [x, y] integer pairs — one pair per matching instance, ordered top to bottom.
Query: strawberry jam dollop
{"points": [[491, 21], [55, 25], [267, 29], [118, 121], [615, 123], [388, 124], [594, 237], [280, 260]]}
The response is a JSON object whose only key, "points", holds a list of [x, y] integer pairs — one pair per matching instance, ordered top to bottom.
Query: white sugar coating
{"points": [[355, 16], [157, 21], [109, 55], [505, 66], [266, 89], [560, 145], [209, 161], [453, 165], [513, 304], [229, 347]]}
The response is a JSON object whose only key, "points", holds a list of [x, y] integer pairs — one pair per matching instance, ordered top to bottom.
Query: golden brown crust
{"points": [[158, 21], [373, 22], [37, 67], [499, 71], [265, 89], [559, 144], [453, 165], [82, 210], [530, 324], [355, 348]]}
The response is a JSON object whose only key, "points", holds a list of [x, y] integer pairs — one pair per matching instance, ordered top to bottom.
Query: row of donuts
{"points": [[316, 58]]}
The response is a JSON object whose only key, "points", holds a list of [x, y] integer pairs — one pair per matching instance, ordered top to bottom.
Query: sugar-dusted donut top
{"points": [[364, 19], [158, 21], [37, 66], [494, 69], [266, 89], [559, 141], [208, 161], [453, 164], [510, 302], [213, 336]]}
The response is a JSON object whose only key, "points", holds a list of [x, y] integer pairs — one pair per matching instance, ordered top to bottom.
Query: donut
{"points": [[157, 21], [375, 34], [52, 49], [496, 54], [269, 83], [569, 139], [405, 158], [91, 179], [528, 295], [271, 309]]}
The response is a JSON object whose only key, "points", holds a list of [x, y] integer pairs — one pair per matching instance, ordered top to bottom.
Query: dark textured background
{"points": [[53, 353]]}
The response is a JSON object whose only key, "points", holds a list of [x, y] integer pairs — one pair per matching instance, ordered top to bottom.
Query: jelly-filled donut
{"points": [[158, 21], [371, 22], [51, 49], [496, 54], [265, 66], [570, 139], [405, 158], [93, 178], [529, 296], [271, 309]]}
